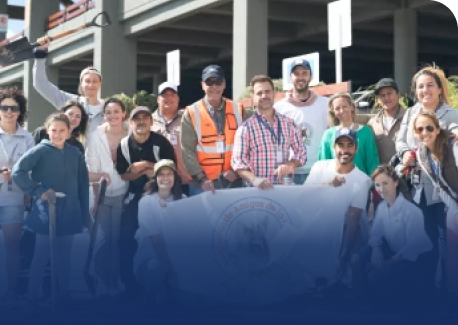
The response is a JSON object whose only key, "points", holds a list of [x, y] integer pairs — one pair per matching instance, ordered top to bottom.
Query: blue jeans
{"points": [[299, 179], [194, 190]]}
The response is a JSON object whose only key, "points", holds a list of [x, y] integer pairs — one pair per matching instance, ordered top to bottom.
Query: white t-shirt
{"points": [[313, 122], [356, 181], [150, 213]]}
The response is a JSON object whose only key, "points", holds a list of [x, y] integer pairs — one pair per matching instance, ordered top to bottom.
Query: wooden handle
{"points": [[67, 32]]}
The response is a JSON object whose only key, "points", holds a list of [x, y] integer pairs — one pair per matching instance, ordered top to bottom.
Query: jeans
{"points": [[299, 179], [151, 274]]}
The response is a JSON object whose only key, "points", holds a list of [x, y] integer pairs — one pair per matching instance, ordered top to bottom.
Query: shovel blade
{"points": [[17, 51]]}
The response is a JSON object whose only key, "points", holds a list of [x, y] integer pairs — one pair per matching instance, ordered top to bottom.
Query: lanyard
{"points": [[165, 122], [275, 138], [435, 166]]}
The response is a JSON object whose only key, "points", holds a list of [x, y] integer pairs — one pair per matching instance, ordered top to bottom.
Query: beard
{"points": [[301, 89]]}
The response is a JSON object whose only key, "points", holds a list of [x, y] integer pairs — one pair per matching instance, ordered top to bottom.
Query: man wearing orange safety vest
{"points": [[207, 135]]}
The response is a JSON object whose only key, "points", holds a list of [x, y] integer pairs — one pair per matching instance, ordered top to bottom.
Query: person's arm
{"points": [[45, 88], [188, 139], [401, 139], [166, 151], [371, 151], [300, 153], [240, 161], [122, 167], [20, 173], [83, 190], [351, 229]]}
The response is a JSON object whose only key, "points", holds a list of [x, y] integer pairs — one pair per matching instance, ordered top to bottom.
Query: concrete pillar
{"points": [[3, 11], [250, 43], [405, 47], [114, 54], [158, 78], [39, 108]]}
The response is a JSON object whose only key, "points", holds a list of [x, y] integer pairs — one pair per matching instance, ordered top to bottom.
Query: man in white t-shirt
{"points": [[308, 110], [341, 171]]}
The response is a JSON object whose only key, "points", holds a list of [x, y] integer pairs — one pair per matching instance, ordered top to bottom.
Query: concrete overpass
{"points": [[390, 38]]}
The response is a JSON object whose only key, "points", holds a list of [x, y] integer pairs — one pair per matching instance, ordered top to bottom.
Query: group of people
{"points": [[216, 144]]}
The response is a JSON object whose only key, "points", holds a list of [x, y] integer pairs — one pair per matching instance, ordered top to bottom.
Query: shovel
{"points": [[21, 50], [93, 234], [52, 241]]}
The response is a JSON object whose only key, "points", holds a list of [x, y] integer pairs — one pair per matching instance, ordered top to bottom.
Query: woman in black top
{"points": [[78, 124]]}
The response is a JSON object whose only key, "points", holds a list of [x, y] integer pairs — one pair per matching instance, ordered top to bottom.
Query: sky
{"points": [[15, 26]]}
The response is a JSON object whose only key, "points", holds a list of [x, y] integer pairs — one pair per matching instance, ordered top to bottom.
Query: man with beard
{"points": [[309, 112], [207, 135], [262, 144], [136, 156], [341, 171]]}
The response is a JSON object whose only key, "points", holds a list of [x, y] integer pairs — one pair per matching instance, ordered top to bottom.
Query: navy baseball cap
{"points": [[300, 62], [213, 71], [386, 82], [348, 133]]}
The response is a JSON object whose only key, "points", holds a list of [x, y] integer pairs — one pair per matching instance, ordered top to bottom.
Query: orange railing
{"points": [[68, 13]]}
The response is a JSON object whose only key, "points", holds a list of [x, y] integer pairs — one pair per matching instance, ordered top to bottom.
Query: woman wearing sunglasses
{"points": [[89, 86], [14, 142], [437, 158]]}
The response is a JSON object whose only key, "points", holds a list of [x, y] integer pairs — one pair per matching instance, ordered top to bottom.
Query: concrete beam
{"points": [[155, 14], [177, 37], [79, 48], [185, 51], [13, 73]]}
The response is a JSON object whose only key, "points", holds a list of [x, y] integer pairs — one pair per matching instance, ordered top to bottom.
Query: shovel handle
{"points": [[92, 23]]}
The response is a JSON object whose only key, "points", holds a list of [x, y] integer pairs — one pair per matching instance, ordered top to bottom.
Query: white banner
{"points": [[255, 247]]}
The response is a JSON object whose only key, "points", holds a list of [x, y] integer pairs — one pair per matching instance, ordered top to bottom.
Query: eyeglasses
{"points": [[212, 82], [5, 108], [428, 128]]}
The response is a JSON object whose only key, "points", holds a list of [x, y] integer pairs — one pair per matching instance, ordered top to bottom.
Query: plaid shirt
{"points": [[255, 148]]}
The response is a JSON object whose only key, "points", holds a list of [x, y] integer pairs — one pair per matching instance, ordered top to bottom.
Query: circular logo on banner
{"points": [[306, 132], [243, 234]]}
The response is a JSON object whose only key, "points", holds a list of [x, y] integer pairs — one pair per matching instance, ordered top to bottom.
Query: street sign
{"points": [[3, 23], [339, 31], [312, 58], [173, 67]]}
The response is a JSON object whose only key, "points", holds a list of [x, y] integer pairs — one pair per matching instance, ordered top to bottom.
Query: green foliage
{"points": [[453, 89], [141, 98]]}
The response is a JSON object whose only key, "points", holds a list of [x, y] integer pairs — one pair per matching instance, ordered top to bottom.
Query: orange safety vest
{"points": [[213, 156]]}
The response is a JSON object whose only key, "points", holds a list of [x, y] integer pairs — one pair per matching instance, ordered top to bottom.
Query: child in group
{"points": [[54, 166], [151, 262], [393, 263]]}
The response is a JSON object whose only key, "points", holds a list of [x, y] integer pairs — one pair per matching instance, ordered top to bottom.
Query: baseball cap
{"points": [[300, 62], [213, 71], [386, 82], [166, 85], [139, 109], [346, 132], [164, 163]]}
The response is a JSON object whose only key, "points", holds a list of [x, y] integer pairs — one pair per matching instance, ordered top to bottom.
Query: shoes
{"points": [[102, 291]]}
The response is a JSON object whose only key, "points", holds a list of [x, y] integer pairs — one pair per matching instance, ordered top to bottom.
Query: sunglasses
{"points": [[212, 82], [5, 108], [428, 128]]}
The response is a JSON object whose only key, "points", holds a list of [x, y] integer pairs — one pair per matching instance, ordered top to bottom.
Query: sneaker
{"points": [[102, 291], [114, 291], [65, 302]]}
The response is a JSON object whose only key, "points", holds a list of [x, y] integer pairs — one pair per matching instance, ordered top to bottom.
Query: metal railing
{"points": [[68, 13]]}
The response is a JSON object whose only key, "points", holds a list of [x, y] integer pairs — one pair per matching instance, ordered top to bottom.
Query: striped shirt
{"points": [[256, 142]]}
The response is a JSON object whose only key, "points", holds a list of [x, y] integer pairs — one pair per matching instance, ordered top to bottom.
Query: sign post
{"points": [[339, 31], [173, 67]]}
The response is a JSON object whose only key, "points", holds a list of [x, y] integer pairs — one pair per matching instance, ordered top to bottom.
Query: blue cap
{"points": [[300, 62], [213, 71], [348, 133]]}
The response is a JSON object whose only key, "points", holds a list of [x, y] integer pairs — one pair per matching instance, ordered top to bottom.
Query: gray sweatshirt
{"points": [[58, 97], [406, 140], [12, 148]]}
